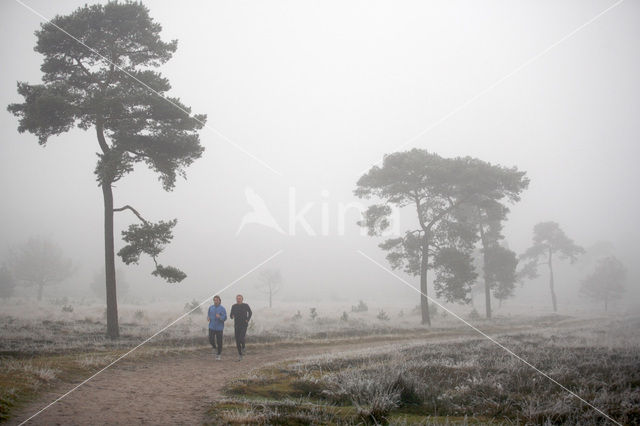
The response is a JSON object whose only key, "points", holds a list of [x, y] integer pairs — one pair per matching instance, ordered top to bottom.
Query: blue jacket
{"points": [[217, 323]]}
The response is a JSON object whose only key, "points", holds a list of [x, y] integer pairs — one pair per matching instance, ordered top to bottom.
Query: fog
{"points": [[303, 97]]}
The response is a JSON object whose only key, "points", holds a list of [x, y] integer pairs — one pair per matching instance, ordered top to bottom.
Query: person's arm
{"points": [[231, 314], [249, 314], [223, 315]]}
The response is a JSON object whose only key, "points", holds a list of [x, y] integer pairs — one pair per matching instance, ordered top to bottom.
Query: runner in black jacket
{"points": [[241, 314]]}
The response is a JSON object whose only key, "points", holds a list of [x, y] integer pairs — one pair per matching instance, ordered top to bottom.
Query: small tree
{"points": [[111, 86], [548, 240], [39, 262], [606, 282], [7, 283], [270, 283], [193, 307], [360, 307], [382, 315]]}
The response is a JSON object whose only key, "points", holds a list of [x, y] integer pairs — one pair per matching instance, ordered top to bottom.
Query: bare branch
{"points": [[128, 207]]}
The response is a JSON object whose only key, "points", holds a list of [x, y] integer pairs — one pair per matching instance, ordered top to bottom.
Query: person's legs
{"points": [[241, 333], [238, 336], [212, 340], [219, 341]]}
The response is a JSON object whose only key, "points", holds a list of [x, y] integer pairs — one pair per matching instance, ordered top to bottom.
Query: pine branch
{"points": [[128, 207]]}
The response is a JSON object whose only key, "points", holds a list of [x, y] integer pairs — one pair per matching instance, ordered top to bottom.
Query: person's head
{"points": [[239, 298], [216, 300]]}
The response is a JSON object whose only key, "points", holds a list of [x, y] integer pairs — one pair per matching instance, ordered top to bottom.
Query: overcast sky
{"points": [[318, 92]]}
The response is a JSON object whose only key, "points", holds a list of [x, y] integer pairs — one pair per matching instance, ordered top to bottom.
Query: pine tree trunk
{"points": [[109, 264], [487, 286], [553, 293], [424, 301], [113, 330]]}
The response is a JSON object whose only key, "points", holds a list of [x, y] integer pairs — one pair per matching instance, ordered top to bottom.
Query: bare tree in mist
{"points": [[109, 86], [548, 240], [39, 262], [7, 282], [606, 282], [270, 283]]}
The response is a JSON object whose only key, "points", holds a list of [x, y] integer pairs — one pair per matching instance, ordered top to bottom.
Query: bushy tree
{"points": [[112, 87], [430, 185], [497, 186], [446, 193], [548, 240], [39, 262], [499, 267], [500, 271], [455, 275], [606, 282]]}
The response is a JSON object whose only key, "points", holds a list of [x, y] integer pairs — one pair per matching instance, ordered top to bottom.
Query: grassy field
{"points": [[52, 329], [56, 342], [465, 381], [430, 383]]}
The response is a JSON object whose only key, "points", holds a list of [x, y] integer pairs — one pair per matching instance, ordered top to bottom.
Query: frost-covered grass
{"points": [[28, 327], [43, 343], [470, 378], [301, 412]]}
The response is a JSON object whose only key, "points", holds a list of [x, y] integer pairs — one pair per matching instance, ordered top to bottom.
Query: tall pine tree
{"points": [[98, 73]]}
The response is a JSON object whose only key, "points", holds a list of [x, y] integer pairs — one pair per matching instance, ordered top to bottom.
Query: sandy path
{"points": [[176, 390]]}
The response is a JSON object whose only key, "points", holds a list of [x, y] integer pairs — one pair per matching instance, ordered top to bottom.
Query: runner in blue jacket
{"points": [[216, 316]]}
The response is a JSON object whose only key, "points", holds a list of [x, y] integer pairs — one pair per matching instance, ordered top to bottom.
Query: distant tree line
{"points": [[37, 263]]}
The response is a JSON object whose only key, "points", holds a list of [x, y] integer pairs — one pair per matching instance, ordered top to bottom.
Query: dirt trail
{"points": [[176, 390]]}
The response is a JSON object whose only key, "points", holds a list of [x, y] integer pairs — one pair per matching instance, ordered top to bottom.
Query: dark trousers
{"points": [[240, 332], [215, 339]]}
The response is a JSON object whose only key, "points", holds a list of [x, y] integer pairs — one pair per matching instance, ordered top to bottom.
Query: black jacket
{"points": [[240, 313]]}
